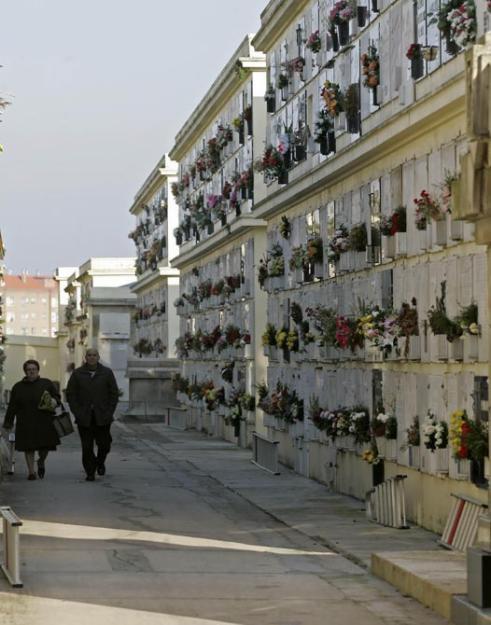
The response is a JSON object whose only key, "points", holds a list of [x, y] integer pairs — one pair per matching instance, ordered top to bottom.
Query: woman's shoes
{"points": [[41, 471], [31, 476]]}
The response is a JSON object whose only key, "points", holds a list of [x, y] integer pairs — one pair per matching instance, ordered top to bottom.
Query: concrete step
{"points": [[431, 577]]}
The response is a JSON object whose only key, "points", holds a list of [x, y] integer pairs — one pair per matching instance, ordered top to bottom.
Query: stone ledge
{"points": [[431, 577], [464, 613]]}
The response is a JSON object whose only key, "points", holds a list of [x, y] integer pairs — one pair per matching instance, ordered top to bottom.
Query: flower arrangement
{"points": [[341, 12], [457, 21], [314, 43], [414, 52], [295, 65], [370, 67], [282, 81], [333, 98], [323, 125], [272, 162], [446, 192], [426, 208], [393, 223], [285, 227], [357, 240], [338, 244], [315, 250], [298, 258], [262, 272], [296, 312], [468, 320], [324, 321], [439, 322], [408, 323], [380, 327], [269, 335], [281, 338], [292, 340], [281, 403], [359, 424], [384, 425], [412, 433], [435, 433], [458, 435], [371, 455]]}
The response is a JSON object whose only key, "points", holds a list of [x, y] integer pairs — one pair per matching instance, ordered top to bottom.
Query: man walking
{"points": [[92, 394]]}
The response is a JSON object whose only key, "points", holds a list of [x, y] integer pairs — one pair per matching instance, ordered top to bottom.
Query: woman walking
{"points": [[32, 403]]}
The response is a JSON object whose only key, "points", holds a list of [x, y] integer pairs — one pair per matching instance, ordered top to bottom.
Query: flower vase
{"points": [[375, 6], [361, 14], [343, 33], [335, 41], [452, 48], [417, 67], [284, 93], [375, 98], [271, 105], [249, 127], [331, 141], [323, 146], [299, 153], [283, 177], [456, 230], [441, 232], [400, 241], [388, 247], [344, 262], [319, 270], [441, 347], [471, 347], [414, 348], [457, 349], [381, 445], [391, 449], [414, 454], [440, 461]]}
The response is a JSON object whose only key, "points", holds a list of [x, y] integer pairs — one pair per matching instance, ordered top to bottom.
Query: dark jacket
{"points": [[96, 393], [33, 427]]}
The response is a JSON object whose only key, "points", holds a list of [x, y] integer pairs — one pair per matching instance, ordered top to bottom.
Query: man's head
{"points": [[91, 358]]}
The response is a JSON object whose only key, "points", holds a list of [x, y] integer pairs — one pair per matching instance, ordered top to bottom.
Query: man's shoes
{"points": [[101, 469], [90, 478]]}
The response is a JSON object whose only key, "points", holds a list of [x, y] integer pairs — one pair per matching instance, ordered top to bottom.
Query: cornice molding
{"points": [[275, 19], [222, 89], [417, 120], [222, 237], [151, 277]]}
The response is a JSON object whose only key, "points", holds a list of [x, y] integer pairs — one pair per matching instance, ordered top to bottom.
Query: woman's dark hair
{"points": [[30, 362]]}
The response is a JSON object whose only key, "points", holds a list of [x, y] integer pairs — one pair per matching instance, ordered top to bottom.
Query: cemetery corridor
{"points": [[158, 541]]}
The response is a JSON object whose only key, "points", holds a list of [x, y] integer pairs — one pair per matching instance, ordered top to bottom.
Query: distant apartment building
{"points": [[31, 305]]}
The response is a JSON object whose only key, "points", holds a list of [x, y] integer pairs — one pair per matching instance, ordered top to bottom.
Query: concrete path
{"points": [[184, 530]]}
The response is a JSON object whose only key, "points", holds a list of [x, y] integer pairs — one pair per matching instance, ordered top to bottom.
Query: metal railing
{"points": [[265, 453], [386, 503], [461, 528], [11, 552]]}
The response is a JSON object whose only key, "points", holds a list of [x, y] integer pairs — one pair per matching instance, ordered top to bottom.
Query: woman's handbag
{"points": [[63, 423]]}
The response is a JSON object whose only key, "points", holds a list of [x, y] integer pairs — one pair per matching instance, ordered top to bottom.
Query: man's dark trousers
{"points": [[101, 436]]}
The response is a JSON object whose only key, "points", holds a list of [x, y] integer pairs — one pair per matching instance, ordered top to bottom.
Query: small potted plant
{"points": [[415, 55], [371, 71], [270, 97]]}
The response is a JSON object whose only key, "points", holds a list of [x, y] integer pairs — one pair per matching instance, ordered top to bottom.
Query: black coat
{"points": [[96, 393], [33, 427]]}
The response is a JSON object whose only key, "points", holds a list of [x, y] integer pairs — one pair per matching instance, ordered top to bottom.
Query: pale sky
{"points": [[99, 90]]}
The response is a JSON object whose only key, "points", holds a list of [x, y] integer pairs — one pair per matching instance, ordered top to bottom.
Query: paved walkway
{"points": [[184, 530]]}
